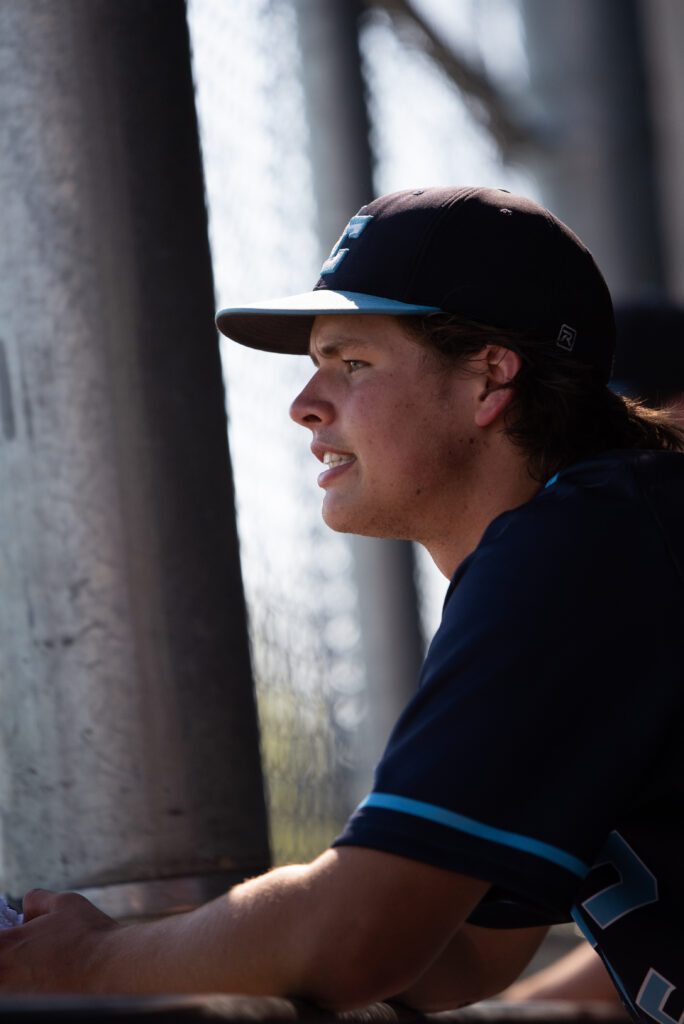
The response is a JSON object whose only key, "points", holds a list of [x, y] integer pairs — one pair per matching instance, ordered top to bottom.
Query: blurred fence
{"points": [[300, 595]]}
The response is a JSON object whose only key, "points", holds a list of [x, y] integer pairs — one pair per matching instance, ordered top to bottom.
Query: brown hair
{"points": [[562, 411]]}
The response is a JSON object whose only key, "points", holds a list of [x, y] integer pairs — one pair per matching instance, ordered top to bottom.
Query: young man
{"points": [[462, 340]]}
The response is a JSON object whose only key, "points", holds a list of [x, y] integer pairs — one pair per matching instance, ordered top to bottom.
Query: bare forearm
{"points": [[329, 931], [273, 935], [252, 940]]}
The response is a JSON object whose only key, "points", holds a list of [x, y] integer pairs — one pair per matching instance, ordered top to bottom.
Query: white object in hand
{"points": [[8, 917]]}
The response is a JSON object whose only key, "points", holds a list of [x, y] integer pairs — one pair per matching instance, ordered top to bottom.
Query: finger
{"points": [[37, 902]]}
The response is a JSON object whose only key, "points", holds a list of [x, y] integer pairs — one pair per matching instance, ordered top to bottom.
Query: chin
{"points": [[339, 520], [362, 522]]}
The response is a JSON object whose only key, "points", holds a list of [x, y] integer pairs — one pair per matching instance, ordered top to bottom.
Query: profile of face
{"points": [[396, 430]]}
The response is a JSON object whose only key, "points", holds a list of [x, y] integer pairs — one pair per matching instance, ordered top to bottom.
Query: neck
{"points": [[500, 483]]}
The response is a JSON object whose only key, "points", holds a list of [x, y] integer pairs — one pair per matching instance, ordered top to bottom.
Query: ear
{"points": [[499, 367]]}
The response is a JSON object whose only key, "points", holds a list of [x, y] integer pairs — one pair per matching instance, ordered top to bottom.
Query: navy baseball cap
{"points": [[481, 253]]}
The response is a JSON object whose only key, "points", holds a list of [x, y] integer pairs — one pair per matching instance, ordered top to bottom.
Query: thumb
{"points": [[37, 902]]}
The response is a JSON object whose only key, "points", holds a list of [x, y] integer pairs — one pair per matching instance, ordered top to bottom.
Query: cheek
{"points": [[392, 426], [415, 435], [404, 446], [434, 447]]}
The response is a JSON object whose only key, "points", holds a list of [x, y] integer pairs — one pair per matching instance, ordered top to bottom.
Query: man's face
{"points": [[395, 427]]}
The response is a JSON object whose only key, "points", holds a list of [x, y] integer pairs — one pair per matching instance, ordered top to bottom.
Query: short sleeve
{"points": [[541, 705]]}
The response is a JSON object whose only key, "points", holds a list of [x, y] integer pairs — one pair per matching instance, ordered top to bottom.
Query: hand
{"points": [[61, 947]]}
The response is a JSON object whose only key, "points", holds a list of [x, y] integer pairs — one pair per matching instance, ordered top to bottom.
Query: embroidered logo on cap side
{"points": [[354, 228], [566, 338]]}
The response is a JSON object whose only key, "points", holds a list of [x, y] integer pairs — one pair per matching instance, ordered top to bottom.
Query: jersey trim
{"points": [[419, 809]]}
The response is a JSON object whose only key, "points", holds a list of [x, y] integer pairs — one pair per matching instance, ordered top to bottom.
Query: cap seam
{"points": [[427, 235]]}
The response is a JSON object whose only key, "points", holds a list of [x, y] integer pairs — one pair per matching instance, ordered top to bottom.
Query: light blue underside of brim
{"points": [[326, 301], [418, 809]]}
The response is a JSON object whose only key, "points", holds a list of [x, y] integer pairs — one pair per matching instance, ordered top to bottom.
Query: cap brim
{"points": [[284, 325]]}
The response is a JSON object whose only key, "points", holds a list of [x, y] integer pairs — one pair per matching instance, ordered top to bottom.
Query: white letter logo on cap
{"points": [[354, 228]]}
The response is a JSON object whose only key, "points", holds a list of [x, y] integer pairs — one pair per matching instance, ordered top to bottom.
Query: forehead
{"points": [[331, 334]]}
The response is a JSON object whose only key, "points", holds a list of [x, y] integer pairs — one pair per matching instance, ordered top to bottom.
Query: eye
{"points": [[354, 364]]}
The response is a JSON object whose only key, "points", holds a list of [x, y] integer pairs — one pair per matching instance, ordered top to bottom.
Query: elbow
{"points": [[349, 974], [349, 988], [344, 994], [424, 997], [431, 1002], [433, 1005]]}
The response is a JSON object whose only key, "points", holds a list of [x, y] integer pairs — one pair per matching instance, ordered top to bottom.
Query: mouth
{"points": [[336, 463]]}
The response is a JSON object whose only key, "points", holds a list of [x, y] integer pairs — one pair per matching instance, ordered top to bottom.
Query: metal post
{"points": [[663, 22], [342, 169], [596, 171], [129, 762]]}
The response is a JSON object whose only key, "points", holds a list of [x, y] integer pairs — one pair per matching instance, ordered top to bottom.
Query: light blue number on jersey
{"points": [[354, 228], [637, 886], [653, 995]]}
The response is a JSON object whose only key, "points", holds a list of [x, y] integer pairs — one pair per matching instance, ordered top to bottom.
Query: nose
{"points": [[310, 408]]}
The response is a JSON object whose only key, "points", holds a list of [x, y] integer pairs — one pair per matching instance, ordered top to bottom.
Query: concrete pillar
{"points": [[129, 762]]}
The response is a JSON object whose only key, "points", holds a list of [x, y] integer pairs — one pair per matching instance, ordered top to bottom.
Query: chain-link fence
{"points": [[300, 596]]}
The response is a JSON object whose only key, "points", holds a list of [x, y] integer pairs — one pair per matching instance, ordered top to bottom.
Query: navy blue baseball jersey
{"points": [[543, 750]]}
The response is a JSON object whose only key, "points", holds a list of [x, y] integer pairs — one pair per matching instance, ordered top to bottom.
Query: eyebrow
{"points": [[335, 345]]}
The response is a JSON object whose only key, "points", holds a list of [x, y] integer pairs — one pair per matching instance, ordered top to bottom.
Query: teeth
{"points": [[333, 459]]}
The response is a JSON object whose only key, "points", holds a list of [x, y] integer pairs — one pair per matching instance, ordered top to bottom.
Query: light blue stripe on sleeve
{"points": [[404, 805]]}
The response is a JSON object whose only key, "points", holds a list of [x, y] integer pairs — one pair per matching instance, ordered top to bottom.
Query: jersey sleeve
{"points": [[541, 706]]}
